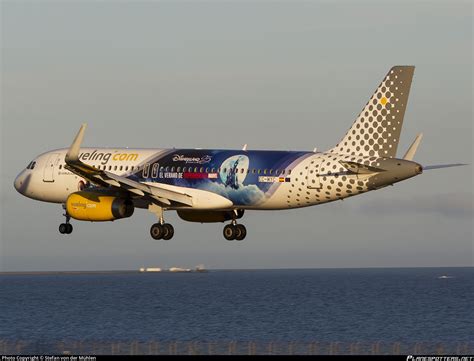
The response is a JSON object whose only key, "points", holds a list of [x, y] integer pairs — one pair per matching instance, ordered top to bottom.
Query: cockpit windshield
{"points": [[31, 165]]}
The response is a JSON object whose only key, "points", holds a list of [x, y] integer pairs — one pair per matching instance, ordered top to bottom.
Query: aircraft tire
{"points": [[63, 228], [68, 228], [157, 231], [168, 231], [229, 232], [241, 232]]}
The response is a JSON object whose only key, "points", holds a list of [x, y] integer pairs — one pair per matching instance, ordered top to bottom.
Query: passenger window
{"points": [[60, 166], [110, 167], [115, 167], [121, 167], [133, 167], [126, 168], [162, 169], [167, 169], [172, 169], [178, 169], [184, 169], [195, 169], [201, 169], [145, 170], [154, 170], [207, 170], [213, 170], [225, 170], [253, 170], [259, 171], [264, 171], [271, 171], [283, 171], [289, 171]]}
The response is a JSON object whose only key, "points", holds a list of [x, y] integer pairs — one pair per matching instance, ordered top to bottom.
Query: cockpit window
{"points": [[31, 165]]}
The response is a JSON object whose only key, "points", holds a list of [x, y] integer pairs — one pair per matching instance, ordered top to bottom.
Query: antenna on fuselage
{"points": [[244, 148]]}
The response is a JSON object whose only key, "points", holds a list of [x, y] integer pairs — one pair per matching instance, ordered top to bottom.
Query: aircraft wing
{"points": [[107, 179]]}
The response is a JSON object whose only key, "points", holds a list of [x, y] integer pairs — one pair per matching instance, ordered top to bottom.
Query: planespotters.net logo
{"points": [[440, 358]]}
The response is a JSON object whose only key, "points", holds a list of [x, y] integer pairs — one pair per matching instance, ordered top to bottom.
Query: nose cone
{"points": [[20, 182]]}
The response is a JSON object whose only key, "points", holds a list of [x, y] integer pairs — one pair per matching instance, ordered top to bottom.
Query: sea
{"points": [[318, 307]]}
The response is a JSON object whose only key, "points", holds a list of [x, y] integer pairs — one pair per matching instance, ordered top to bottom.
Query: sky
{"points": [[286, 75]]}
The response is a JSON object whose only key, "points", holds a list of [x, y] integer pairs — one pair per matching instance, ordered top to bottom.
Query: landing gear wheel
{"points": [[63, 228], [68, 228], [157, 231], [168, 231], [230, 232], [241, 232]]}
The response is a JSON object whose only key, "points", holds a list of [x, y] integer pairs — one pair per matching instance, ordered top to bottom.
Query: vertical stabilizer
{"points": [[376, 131]]}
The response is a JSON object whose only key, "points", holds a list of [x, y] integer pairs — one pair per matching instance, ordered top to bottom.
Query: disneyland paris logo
{"points": [[195, 160]]}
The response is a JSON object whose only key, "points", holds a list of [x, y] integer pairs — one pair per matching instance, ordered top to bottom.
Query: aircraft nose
{"points": [[19, 181]]}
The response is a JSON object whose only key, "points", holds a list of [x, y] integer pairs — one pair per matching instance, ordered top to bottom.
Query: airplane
{"points": [[214, 185]]}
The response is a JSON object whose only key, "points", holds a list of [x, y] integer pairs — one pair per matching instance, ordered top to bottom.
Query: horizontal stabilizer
{"points": [[439, 166], [360, 168]]}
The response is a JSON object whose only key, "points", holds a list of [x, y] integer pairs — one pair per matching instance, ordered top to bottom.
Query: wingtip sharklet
{"points": [[73, 152], [410, 154]]}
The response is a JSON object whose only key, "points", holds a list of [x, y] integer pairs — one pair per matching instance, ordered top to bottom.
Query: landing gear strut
{"points": [[65, 228], [160, 230], [234, 231]]}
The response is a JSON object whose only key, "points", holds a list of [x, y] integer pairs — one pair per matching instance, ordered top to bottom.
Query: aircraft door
{"points": [[50, 166], [314, 170]]}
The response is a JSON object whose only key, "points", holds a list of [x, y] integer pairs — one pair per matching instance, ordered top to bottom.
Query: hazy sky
{"points": [[218, 75]]}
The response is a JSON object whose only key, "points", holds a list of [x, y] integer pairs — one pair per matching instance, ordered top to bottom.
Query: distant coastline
{"points": [[27, 273]]}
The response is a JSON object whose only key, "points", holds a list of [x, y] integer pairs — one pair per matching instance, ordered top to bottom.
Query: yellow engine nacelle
{"points": [[96, 207]]}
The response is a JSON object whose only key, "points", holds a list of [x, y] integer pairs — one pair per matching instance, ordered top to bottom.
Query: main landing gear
{"points": [[65, 228], [162, 231], [234, 231]]}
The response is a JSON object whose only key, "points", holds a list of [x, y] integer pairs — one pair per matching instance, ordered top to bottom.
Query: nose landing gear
{"points": [[65, 228]]}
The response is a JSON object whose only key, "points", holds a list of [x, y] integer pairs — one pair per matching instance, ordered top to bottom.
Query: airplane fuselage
{"points": [[250, 179]]}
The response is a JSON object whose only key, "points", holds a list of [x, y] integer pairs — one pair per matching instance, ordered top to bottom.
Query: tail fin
{"points": [[376, 131]]}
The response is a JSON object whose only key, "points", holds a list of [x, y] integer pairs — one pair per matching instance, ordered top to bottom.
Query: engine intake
{"points": [[96, 207]]}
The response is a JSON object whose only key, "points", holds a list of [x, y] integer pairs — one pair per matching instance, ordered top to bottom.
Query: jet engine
{"points": [[97, 207]]}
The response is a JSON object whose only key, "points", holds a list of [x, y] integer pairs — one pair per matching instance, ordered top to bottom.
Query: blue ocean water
{"points": [[316, 304]]}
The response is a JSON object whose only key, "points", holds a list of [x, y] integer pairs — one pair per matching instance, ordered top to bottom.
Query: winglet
{"points": [[73, 152], [410, 154]]}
